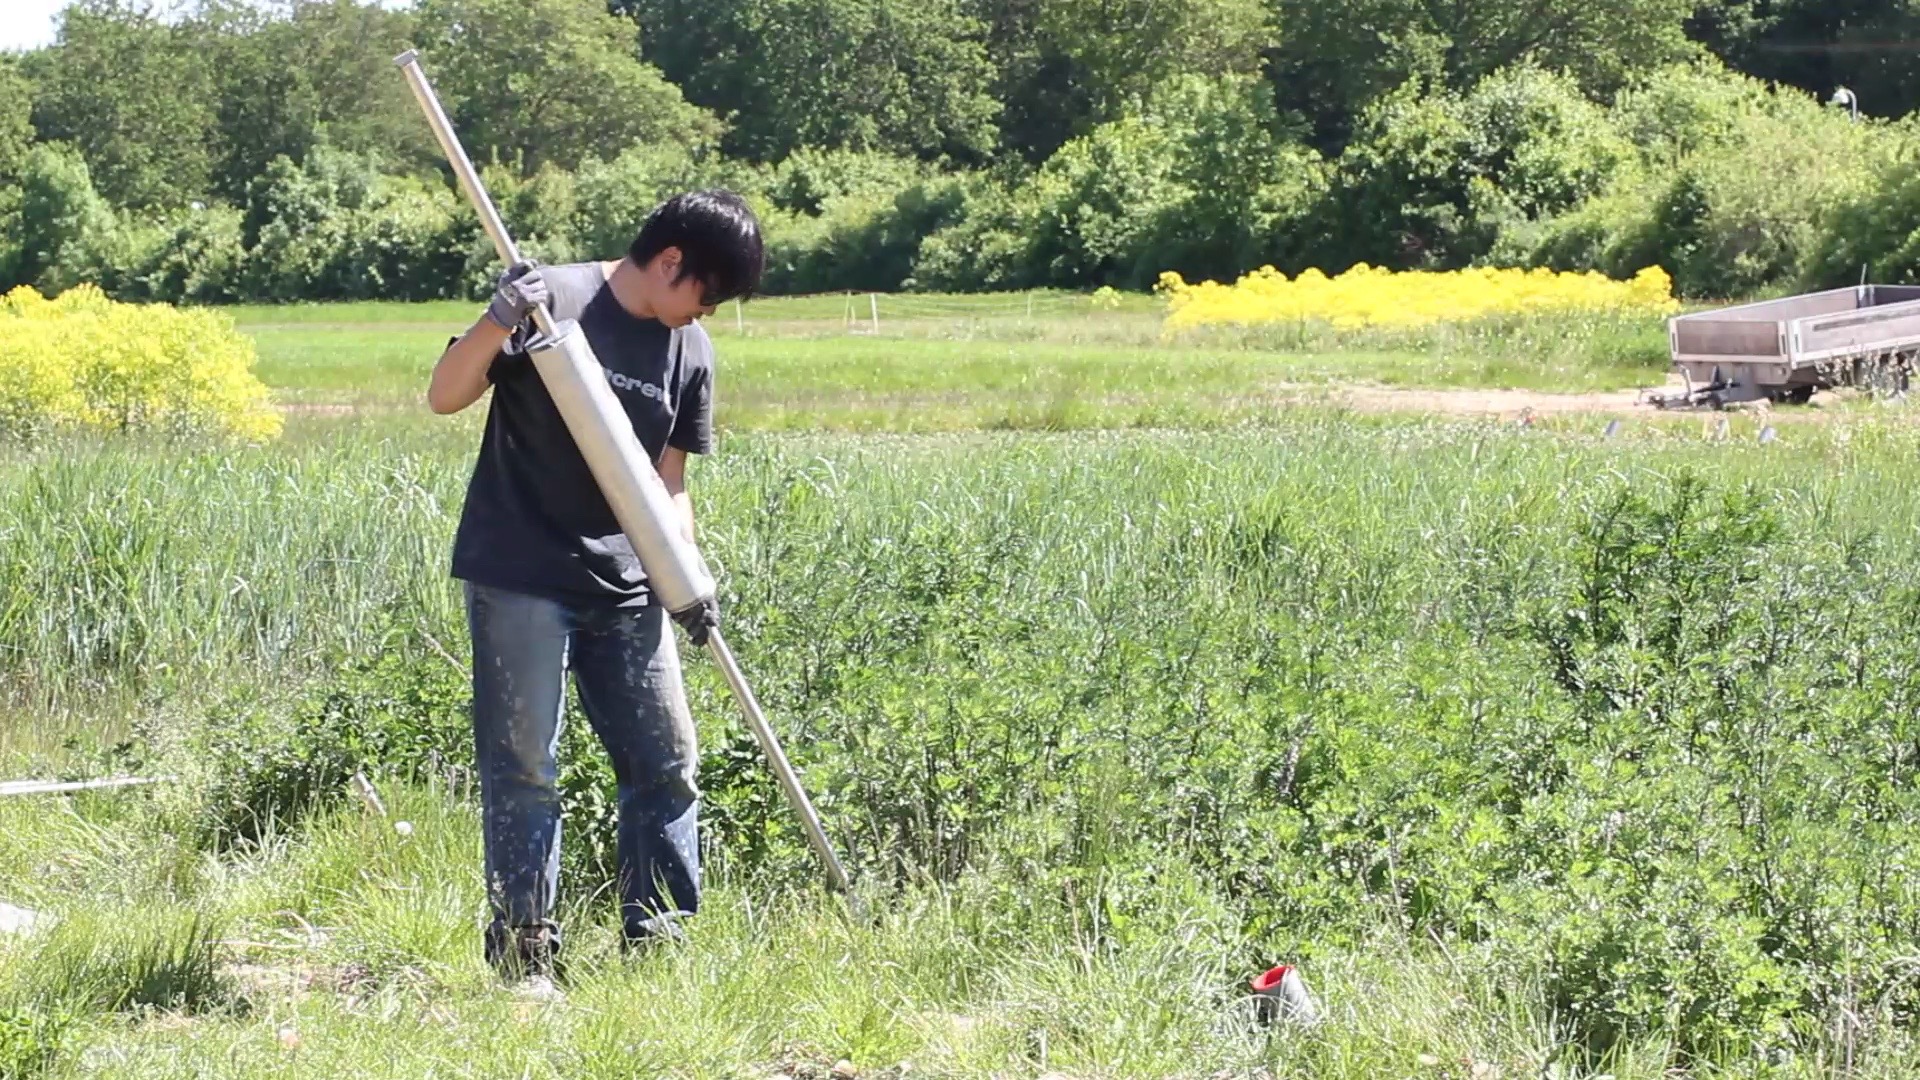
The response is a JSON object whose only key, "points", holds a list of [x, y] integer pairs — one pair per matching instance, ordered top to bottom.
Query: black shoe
{"points": [[651, 934], [526, 956]]}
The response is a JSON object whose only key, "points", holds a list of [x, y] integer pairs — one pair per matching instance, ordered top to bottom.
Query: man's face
{"points": [[688, 302], [678, 303]]}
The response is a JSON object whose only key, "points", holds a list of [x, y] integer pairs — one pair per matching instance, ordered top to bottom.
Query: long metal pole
{"points": [[409, 64], [782, 769]]}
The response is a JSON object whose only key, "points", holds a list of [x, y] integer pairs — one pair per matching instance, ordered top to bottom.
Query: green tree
{"points": [[1821, 45], [346, 49], [1123, 50], [1337, 56], [1066, 65], [318, 72], [902, 76], [550, 82], [131, 94], [264, 103], [16, 118], [1432, 180], [1196, 181], [1246, 188], [60, 218]]}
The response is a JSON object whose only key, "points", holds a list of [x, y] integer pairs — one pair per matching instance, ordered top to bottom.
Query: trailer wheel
{"points": [[1882, 374], [1792, 395]]}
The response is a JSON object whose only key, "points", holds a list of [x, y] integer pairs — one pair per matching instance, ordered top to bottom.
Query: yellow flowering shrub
{"points": [[1367, 296], [82, 360]]}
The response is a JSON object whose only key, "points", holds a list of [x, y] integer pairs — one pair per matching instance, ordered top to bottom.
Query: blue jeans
{"points": [[627, 671]]}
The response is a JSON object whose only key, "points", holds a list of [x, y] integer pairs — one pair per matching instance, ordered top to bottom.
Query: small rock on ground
{"points": [[18, 920]]}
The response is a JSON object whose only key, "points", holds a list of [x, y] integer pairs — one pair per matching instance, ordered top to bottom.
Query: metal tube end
{"points": [[411, 56]]}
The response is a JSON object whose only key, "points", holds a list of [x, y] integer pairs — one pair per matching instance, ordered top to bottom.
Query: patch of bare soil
{"points": [[1504, 404], [1511, 404], [323, 408], [271, 981]]}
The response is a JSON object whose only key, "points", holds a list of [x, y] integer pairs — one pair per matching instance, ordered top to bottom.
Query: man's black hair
{"points": [[718, 238]]}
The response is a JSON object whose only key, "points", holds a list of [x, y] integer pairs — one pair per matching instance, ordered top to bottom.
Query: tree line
{"points": [[230, 151]]}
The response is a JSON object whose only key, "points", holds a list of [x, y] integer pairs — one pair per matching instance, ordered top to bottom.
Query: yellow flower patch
{"points": [[1368, 296], [83, 360]]}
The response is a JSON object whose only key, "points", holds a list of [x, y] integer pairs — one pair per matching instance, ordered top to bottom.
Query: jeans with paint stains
{"points": [[626, 670]]}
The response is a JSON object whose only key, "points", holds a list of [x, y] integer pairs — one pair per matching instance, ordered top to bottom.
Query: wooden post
{"points": [[873, 302]]}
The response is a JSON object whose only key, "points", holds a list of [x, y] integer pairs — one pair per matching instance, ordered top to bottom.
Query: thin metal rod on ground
{"points": [[50, 787]]}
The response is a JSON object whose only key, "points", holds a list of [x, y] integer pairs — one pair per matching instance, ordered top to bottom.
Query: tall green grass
{"points": [[1564, 352], [951, 363], [140, 563], [1533, 746], [350, 951], [102, 959]]}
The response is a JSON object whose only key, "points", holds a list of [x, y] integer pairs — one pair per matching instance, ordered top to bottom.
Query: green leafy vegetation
{"points": [[951, 145], [1610, 730], [1545, 749]]}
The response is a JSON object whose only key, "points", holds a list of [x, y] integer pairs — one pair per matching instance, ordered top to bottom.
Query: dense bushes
{"points": [[1434, 180], [1201, 183], [1731, 185], [1736, 188], [1874, 226], [339, 228], [1641, 740]]}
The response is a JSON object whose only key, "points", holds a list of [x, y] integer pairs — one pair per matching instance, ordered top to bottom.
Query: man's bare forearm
{"points": [[460, 377], [672, 467], [685, 502]]}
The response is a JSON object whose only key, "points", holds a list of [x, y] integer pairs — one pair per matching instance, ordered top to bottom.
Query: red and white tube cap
{"points": [[1281, 994]]}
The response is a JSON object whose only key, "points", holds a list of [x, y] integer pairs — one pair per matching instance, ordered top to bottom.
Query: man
{"points": [[552, 583]]}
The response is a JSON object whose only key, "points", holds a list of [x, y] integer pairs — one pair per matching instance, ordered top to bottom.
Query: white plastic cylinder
{"points": [[638, 497]]}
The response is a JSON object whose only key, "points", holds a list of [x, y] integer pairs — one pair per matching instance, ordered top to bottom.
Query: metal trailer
{"points": [[1783, 350]]}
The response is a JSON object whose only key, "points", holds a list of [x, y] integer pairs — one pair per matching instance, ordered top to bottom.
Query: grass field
{"points": [[949, 363], [1545, 754]]}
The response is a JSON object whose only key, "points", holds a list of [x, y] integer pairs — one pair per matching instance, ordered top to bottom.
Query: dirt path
{"points": [[1360, 398], [1501, 403], [1512, 403], [1505, 404], [327, 408]]}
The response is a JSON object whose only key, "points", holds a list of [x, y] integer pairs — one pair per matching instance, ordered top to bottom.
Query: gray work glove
{"points": [[521, 289], [700, 620]]}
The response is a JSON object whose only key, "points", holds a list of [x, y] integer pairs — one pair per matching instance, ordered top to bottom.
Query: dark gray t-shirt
{"points": [[534, 520]]}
